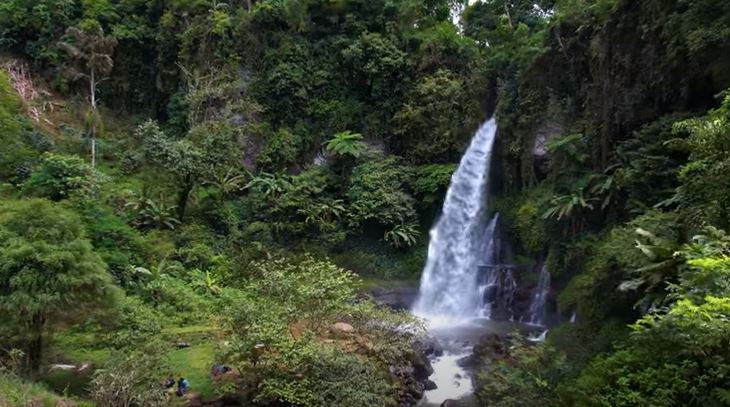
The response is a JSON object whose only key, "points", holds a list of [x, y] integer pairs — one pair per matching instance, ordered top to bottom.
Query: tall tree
{"points": [[91, 52], [49, 274]]}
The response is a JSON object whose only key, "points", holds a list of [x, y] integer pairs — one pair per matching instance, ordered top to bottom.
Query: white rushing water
{"points": [[449, 284], [539, 297], [452, 381]]}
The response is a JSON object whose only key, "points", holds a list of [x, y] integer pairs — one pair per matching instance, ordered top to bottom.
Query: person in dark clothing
{"points": [[170, 381]]}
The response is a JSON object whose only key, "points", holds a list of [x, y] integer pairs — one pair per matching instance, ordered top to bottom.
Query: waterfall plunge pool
{"points": [[452, 373]]}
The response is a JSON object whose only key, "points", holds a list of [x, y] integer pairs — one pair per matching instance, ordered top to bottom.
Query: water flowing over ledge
{"points": [[449, 285]]}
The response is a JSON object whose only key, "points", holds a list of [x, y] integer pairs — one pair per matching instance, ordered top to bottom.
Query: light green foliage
{"points": [[347, 143], [15, 152], [62, 176], [430, 182], [703, 191], [707, 264], [49, 273], [313, 290], [176, 299], [136, 324], [274, 326], [328, 377], [132, 378], [15, 392]]}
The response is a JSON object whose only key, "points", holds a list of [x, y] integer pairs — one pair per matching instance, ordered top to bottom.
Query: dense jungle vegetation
{"points": [[236, 174]]}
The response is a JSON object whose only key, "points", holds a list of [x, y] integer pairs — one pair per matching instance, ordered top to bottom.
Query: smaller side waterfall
{"points": [[497, 284], [536, 312]]}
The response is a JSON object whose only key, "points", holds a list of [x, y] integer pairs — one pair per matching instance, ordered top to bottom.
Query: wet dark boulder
{"points": [[492, 347], [422, 368]]}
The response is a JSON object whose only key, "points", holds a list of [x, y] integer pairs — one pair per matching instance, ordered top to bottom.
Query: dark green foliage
{"points": [[432, 125], [276, 127], [430, 182], [703, 193], [377, 194], [116, 242], [678, 358], [526, 377]]}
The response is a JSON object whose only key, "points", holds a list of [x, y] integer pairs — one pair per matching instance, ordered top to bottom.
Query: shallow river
{"points": [[457, 339]]}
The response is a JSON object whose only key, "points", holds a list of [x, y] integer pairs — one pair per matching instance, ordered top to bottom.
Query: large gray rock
{"points": [[547, 132], [398, 298]]}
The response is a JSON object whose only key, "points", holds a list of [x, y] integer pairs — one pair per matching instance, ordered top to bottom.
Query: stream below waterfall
{"points": [[452, 372]]}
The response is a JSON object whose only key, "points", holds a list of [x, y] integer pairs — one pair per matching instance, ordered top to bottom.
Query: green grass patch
{"points": [[194, 363], [15, 392]]}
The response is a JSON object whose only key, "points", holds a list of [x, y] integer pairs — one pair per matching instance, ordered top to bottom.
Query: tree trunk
{"points": [[509, 17], [92, 84], [34, 351]]}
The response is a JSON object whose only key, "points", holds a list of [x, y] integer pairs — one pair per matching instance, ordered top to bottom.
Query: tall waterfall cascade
{"points": [[450, 286]]}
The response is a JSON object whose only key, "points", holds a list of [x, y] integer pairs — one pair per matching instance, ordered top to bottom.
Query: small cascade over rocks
{"points": [[449, 284], [497, 284], [536, 313]]}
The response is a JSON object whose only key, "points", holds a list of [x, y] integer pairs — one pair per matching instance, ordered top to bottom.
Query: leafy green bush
{"points": [[14, 153], [60, 176], [377, 193], [49, 274], [136, 324], [275, 327], [677, 358], [527, 377], [132, 378]]}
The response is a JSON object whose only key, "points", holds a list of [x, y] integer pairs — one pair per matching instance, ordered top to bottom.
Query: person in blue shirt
{"points": [[182, 386]]}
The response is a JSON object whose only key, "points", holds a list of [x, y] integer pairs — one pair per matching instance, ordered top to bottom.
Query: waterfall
{"points": [[497, 284], [449, 287], [536, 312]]}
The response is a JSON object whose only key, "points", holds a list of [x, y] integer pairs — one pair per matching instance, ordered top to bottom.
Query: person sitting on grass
{"points": [[183, 386]]}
